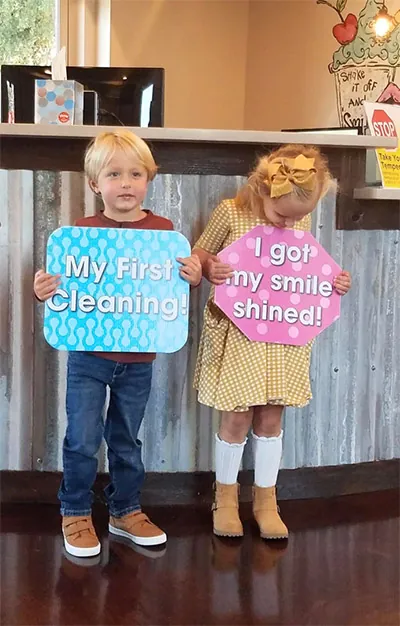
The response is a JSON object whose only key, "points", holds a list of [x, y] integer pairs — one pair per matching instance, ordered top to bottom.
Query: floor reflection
{"points": [[340, 566]]}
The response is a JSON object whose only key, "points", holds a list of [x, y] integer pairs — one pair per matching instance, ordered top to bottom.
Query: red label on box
{"points": [[63, 117]]}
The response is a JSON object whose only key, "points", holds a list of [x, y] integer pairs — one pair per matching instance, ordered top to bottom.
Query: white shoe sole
{"points": [[140, 541], [82, 552], [88, 561]]}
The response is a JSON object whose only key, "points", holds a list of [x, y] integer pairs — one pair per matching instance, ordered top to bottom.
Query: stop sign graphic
{"points": [[383, 125], [282, 287]]}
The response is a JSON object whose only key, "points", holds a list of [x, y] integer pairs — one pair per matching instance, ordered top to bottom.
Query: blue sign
{"points": [[120, 290]]}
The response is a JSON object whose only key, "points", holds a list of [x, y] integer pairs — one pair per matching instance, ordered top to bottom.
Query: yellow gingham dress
{"points": [[233, 373]]}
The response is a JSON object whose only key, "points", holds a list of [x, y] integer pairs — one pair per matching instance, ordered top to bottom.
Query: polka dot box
{"points": [[58, 102]]}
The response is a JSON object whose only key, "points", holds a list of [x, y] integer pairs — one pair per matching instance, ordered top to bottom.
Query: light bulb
{"points": [[382, 26]]}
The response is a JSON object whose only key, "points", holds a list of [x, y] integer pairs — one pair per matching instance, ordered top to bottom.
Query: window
{"points": [[27, 31], [145, 109]]}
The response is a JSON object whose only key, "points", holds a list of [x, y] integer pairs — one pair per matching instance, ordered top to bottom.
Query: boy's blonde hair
{"points": [[102, 148], [258, 185]]}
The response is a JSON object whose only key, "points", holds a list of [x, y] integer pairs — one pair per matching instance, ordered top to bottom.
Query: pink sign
{"points": [[282, 288]]}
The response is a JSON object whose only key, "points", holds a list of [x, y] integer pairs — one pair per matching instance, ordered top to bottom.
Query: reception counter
{"points": [[345, 441]]}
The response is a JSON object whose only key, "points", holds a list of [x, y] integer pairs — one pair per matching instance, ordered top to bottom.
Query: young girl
{"points": [[251, 382]]}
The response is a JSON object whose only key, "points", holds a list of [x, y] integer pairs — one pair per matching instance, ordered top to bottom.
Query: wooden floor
{"points": [[339, 567]]}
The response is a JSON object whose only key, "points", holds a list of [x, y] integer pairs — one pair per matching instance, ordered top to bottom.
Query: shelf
{"points": [[202, 135], [376, 193]]}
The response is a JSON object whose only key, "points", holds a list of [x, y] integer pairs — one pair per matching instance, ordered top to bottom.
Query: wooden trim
{"points": [[62, 25], [201, 135], [173, 157], [181, 157], [377, 193], [366, 215], [192, 488]]}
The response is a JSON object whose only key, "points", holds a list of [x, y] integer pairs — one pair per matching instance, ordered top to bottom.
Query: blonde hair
{"points": [[102, 148], [258, 187]]}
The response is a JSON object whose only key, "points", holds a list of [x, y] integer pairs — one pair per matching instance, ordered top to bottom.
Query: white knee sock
{"points": [[228, 457], [267, 459]]}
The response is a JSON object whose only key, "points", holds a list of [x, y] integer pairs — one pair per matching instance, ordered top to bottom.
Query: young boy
{"points": [[119, 166]]}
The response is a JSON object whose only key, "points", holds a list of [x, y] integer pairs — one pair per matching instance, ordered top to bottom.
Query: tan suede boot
{"points": [[226, 511], [265, 511]]}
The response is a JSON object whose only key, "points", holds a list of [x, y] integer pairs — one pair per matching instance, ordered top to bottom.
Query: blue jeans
{"points": [[87, 379]]}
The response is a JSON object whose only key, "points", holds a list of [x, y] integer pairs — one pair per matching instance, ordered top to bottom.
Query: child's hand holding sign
{"points": [[191, 269]]}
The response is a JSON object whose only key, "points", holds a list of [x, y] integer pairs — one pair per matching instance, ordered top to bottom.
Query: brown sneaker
{"points": [[137, 527], [80, 537]]}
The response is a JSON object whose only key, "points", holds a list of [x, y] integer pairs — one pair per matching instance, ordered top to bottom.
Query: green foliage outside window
{"points": [[27, 31]]}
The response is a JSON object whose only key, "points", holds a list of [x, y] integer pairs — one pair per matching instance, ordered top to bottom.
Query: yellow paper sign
{"points": [[384, 121]]}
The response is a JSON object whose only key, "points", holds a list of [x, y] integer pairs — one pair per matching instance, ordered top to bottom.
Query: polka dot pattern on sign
{"points": [[233, 258], [293, 280], [263, 294], [124, 331], [232, 372]]}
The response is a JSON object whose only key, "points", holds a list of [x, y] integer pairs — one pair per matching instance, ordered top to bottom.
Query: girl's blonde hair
{"points": [[102, 148], [258, 185]]}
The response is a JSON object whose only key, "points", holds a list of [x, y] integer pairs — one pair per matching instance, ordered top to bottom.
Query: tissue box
{"points": [[58, 102]]}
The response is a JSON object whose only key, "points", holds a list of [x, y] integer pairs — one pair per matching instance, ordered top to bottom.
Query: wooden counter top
{"points": [[201, 135], [203, 152]]}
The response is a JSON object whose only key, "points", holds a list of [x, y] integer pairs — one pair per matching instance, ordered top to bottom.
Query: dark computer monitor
{"points": [[126, 96]]}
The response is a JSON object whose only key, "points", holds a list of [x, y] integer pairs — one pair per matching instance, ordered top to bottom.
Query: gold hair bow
{"points": [[283, 174]]}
